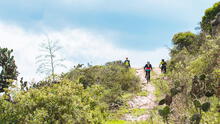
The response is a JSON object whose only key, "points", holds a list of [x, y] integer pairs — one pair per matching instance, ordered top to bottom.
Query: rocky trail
{"points": [[143, 102]]}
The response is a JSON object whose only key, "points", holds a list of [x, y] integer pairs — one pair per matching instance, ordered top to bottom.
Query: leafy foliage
{"points": [[210, 14], [184, 39], [8, 68], [193, 74], [115, 78], [84, 95], [66, 102], [197, 103], [206, 106], [165, 113], [195, 119]]}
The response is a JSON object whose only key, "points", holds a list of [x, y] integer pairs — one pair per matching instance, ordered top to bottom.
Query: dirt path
{"points": [[143, 102]]}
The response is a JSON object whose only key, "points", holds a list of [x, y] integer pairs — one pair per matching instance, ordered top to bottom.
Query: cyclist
{"points": [[127, 63], [163, 66], [148, 68]]}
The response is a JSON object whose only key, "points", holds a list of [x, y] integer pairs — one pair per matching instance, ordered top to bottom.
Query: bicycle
{"points": [[163, 69], [147, 76]]}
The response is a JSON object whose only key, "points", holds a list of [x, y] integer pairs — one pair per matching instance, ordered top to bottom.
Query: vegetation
{"points": [[209, 16], [184, 40], [48, 61], [8, 71], [194, 76], [116, 79], [194, 79], [188, 93], [84, 95]]}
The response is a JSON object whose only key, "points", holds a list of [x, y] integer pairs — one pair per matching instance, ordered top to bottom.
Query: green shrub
{"points": [[210, 14], [184, 39], [193, 74], [116, 79], [84, 95], [66, 102]]}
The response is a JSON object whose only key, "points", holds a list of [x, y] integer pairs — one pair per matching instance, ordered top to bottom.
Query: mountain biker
{"points": [[127, 63], [163, 66], [148, 68]]}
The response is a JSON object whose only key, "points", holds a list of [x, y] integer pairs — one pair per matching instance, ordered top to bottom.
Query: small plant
{"points": [[23, 84], [201, 86], [167, 100], [164, 113], [196, 118]]}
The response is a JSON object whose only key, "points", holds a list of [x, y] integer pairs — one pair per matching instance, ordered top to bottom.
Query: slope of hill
{"points": [[82, 96]]}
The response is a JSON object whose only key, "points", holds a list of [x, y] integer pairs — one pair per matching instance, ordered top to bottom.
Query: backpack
{"points": [[127, 63], [163, 63]]}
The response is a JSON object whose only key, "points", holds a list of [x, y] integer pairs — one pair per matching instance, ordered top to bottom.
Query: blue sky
{"points": [[142, 23], [97, 31]]}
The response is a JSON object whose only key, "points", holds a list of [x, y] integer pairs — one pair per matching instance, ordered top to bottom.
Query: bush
{"points": [[210, 14], [184, 40], [193, 69], [116, 79], [84, 95], [66, 102]]}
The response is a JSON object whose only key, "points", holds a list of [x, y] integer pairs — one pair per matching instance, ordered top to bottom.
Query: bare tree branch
{"points": [[48, 61]]}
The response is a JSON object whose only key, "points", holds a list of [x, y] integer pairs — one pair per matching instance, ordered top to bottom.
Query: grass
{"points": [[162, 88], [142, 93], [127, 96], [126, 110], [137, 112], [116, 122]]}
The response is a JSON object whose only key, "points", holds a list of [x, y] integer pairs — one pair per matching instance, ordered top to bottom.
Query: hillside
{"points": [[84, 95]]}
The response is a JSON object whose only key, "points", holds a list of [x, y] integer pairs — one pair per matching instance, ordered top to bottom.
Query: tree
{"points": [[210, 14], [183, 39], [48, 61], [8, 69]]}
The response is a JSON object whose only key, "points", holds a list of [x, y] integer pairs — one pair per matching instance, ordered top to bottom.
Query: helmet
{"points": [[162, 59], [148, 62]]}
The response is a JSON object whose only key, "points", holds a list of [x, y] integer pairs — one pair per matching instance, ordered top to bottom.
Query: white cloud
{"points": [[79, 46]]}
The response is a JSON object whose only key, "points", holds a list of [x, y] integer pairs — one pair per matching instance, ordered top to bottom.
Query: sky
{"points": [[96, 31]]}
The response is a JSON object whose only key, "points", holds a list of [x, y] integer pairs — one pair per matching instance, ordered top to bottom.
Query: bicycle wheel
{"points": [[148, 76]]}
